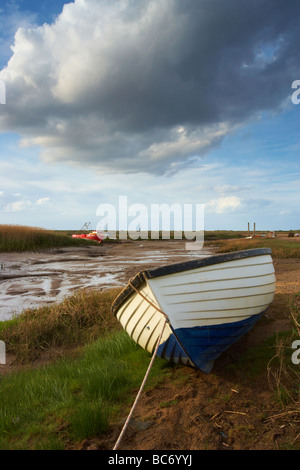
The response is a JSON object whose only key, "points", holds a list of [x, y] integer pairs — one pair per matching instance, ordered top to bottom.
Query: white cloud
{"points": [[10, 20], [142, 85], [183, 143], [227, 188], [42, 201], [24, 204], [223, 204], [17, 206], [284, 212]]}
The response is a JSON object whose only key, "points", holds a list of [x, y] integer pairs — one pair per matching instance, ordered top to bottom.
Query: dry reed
{"points": [[23, 238]]}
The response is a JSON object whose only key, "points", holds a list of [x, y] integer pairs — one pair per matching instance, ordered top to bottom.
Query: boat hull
{"points": [[95, 236], [209, 304]]}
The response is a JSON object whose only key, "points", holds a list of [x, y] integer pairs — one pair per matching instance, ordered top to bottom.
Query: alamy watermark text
{"points": [[295, 96], [139, 221], [2, 353]]}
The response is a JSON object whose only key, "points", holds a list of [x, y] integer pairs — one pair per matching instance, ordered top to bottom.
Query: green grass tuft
{"points": [[76, 320], [72, 399]]}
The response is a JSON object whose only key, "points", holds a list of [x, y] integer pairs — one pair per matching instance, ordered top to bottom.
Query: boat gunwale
{"points": [[141, 277]]}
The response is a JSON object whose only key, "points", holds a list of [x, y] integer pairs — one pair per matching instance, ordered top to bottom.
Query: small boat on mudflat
{"points": [[95, 236], [209, 303]]}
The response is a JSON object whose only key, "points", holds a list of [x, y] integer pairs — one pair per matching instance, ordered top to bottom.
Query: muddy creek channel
{"points": [[30, 280]]}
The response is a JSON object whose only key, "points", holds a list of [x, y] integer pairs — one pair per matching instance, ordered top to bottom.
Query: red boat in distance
{"points": [[95, 236]]}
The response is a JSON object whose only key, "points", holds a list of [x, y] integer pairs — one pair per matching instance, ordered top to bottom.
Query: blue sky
{"points": [[164, 102]]}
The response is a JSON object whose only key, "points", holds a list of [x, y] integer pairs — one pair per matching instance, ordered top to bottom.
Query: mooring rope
{"points": [[147, 373], [140, 390]]}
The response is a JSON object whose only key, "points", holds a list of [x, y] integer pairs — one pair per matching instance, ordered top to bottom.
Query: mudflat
{"points": [[32, 279]]}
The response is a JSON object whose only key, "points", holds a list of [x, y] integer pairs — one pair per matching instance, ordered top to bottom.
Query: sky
{"points": [[159, 101]]}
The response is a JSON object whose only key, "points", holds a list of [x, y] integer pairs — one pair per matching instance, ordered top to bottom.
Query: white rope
{"points": [[140, 390]]}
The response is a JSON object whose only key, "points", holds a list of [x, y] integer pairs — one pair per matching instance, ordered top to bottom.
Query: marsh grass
{"points": [[223, 235], [18, 238], [22, 238], [281, 248], [76, 320], [274, 355], [254, 360], [283, 374], [77, 396], [72, 399]]}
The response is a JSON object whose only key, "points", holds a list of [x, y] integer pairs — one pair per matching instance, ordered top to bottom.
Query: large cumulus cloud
{"points": [[146, 85]]}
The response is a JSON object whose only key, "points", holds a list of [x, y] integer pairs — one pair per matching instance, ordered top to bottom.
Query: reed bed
{"points": [[23, 238]]}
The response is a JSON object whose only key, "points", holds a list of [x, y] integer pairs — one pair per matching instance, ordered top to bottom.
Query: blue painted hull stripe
{"points": [[203, 344]]}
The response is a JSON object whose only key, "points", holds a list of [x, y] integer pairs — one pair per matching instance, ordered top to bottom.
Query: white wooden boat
{"points": [[209, 303]]}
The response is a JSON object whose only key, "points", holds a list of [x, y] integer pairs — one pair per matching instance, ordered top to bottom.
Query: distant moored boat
{"points": [[95, 236]]}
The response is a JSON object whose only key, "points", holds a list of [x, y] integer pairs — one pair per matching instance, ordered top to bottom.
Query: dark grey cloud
{"points": [[202, 62], [146, 85]]}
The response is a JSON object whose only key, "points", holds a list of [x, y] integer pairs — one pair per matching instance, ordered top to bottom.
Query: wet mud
{"points": [[29, 280]]}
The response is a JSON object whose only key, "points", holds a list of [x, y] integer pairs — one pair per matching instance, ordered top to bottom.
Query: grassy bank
{"points": [[22, 238], [281, 247], [77, 320], [81, 394], [58, 406]]}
